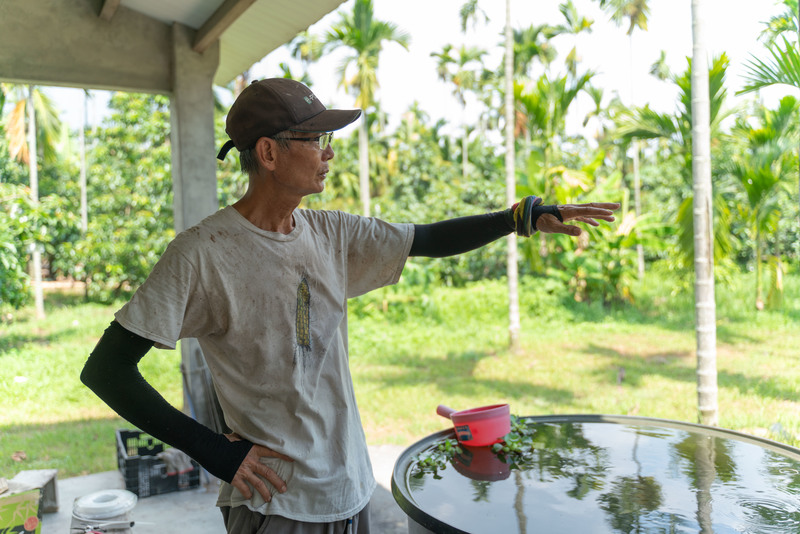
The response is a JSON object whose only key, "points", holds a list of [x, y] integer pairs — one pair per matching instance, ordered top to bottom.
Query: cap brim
{"points": [[329, 120]]}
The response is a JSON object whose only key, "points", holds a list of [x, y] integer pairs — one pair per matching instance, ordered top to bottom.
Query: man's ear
{"points": [[267, 152]]}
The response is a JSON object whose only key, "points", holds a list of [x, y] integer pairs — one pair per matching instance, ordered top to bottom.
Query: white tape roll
{"points": [[104, 504]]}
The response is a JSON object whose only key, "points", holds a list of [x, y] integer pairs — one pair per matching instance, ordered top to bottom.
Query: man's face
{"points": [[303, 166]]}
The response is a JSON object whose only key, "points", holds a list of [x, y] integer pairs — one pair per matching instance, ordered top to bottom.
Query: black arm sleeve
{"points": [[454, 236], [112, 373]]}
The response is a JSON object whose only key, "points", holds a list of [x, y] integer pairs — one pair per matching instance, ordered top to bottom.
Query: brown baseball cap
{"points": [[267, 107]]}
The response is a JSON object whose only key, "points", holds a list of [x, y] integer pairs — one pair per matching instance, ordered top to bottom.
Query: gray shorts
{"points": [[242, 520]]}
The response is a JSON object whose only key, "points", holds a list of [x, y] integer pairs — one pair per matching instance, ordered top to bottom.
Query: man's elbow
{"points": [[89, 373]]}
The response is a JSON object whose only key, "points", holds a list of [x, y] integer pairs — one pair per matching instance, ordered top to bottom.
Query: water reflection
{"points": [[618, 478], [633, 501]]}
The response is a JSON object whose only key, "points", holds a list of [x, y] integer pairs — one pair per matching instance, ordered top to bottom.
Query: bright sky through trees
{"points": [[406, 76]]}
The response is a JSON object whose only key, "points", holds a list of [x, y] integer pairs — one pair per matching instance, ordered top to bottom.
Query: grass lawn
{"points": [[412, 352]]}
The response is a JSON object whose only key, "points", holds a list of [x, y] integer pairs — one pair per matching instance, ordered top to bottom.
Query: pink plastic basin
{"points": [[479, 427]]}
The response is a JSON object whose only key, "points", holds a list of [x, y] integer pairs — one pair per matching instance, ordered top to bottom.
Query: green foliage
{"points": [[364, 37], [783, 67], [48, 123], [676, 130], [763, 168], [416, 173], [231, 182], [424, 185], [131, 207], [25, 224], [603, 268], [14, 288], [450, 350], [46, 411], [518, 445], [436, 458]]}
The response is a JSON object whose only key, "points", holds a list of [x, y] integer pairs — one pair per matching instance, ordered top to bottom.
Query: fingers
{"points": [[612, 206], [583, 212], [587, 220], [548, 224], [264, 452], [252, 474], [246, 482]]}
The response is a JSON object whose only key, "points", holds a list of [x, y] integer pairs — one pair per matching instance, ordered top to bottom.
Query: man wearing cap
{"points": [[263, 287]]}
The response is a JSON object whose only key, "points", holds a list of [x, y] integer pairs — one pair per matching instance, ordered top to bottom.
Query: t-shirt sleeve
{"points": [[376, 253], [170, 304]]}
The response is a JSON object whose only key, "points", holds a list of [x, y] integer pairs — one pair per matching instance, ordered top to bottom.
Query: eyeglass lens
{"points": [[325, 140]]}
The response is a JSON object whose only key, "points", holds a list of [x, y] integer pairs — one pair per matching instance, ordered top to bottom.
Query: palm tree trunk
{"points": [[82, 137], [464, 154], [363, 164], [637, 182], [511, 187], [545, 194], [637, 203], [36, 254], [759, 272], [705, 307], [705, 464], [519, 501]]}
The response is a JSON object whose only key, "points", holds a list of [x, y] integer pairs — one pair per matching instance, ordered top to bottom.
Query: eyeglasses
{"points": [[322, 140]]}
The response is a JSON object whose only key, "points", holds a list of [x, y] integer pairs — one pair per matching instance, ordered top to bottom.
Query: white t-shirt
{"points": [[270, 313]]}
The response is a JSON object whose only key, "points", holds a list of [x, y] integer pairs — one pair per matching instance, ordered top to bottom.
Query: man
{"points": [[263, 286]]}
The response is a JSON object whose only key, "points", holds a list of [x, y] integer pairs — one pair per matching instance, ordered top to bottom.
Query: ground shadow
{"points": [[733, 330], [13, 342], [630, 369], [455, 375], [72, 447], [386, 516]]}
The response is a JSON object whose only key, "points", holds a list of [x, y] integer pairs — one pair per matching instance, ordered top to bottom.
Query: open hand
{"points": [[586, 213], [252, 472]]}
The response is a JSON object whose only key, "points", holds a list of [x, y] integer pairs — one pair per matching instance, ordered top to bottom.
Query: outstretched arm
{"points": [[456, 236], [112, 373]]}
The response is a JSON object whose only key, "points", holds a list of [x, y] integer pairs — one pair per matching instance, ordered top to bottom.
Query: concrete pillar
{"points": [[194, 167], [194, 185]]}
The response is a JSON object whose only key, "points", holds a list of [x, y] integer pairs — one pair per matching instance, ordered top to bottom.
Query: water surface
{"points": [[606, 477]]}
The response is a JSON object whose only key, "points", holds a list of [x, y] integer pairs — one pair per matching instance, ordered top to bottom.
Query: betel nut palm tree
{"points": [[636, 13], [363, 37], [782, 67], [463, 69], [646, 123], [32, 127], [761, 168], [705, 306]]}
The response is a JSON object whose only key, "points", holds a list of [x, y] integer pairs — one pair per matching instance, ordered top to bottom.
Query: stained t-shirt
{"points": [[270, 313]]}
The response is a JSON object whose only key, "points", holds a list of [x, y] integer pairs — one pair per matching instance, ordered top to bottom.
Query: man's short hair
{"points": [[247, 157], [248, 161]]}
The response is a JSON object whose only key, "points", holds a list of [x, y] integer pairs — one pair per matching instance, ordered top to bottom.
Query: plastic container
{"points": [[479, 427], [144, 474], [104, 511]]}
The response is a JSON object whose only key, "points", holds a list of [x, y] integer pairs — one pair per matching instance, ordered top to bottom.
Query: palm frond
{"points": [[782, 68], [646, 123], [15, 133]]}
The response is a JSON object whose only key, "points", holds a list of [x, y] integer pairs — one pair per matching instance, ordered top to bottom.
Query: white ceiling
{"points": [[261, 28]]}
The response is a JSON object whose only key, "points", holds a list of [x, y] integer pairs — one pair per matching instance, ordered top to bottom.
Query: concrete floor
{"points": [[194, 510]]}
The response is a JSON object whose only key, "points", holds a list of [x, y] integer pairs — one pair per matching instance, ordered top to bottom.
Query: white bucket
{"points": [[105, 510]]}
